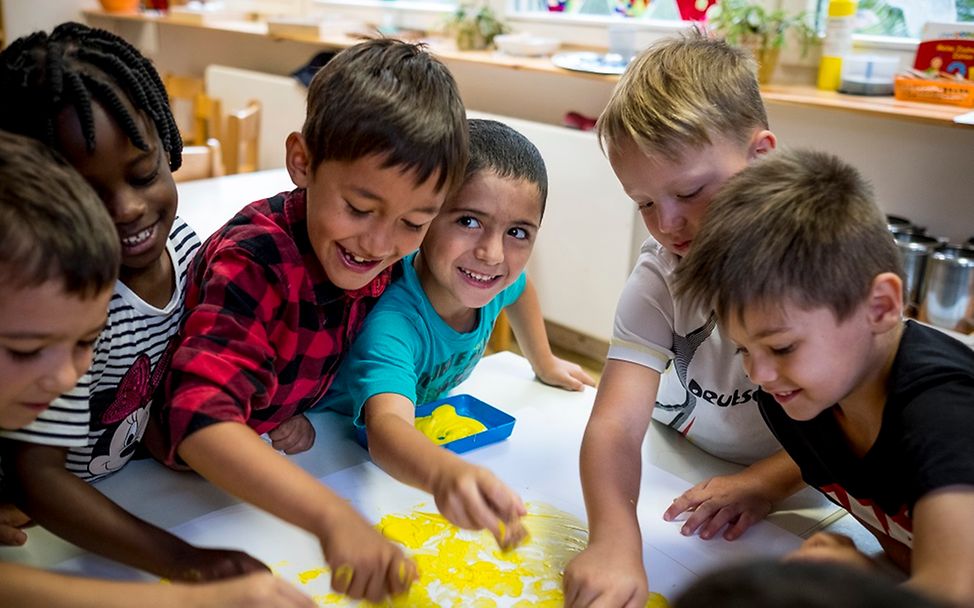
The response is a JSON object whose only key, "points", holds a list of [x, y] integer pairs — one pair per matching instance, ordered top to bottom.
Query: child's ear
{"points": [[762, 143], [297, 159], [885, 301]]}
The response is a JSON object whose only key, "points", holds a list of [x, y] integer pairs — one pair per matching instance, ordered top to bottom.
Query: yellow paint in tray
{"points": [[445, 425]]}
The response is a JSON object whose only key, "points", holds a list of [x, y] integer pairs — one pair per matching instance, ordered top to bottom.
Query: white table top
{"points": [[206, 204], [539, 460]]}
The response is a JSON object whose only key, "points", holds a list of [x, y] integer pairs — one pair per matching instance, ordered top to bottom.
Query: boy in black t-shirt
{"points": [[877, 412]]}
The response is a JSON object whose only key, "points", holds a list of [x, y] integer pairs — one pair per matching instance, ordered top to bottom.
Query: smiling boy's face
{"points": [[362, 217], [480, 242], [46, 339], [805, 358]]}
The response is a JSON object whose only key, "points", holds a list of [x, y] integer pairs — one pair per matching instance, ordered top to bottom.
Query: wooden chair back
{"points": [[197, 115], [242, 140], [200, 162]]}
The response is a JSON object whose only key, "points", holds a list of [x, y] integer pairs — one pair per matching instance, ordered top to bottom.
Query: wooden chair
{"points": [[197, 115], [242, 141], [200, 162], [500, 338]]}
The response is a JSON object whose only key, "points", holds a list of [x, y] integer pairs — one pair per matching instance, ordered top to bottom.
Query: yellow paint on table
{"points": [[445, 425], [461, 569]]}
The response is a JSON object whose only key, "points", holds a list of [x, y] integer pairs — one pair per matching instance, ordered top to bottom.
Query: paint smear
{"points": [[461, 568]]}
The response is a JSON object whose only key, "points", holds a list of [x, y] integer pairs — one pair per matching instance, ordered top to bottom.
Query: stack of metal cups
{"points": [[939, 276]]}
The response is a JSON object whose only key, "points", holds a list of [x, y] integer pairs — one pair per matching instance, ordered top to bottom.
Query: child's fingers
{"points": [[584, 378], [681, 504], [11, 536], [400, 575], [341, 578]]}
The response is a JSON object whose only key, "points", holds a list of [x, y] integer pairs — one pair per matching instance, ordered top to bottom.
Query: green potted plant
{"points": [[750, 25], [474, 26]]}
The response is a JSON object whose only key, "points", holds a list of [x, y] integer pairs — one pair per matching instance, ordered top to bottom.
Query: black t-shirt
{"points": [[926, 440]]}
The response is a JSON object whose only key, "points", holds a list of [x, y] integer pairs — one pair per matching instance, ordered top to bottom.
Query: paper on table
{"points": [[535, 462]]}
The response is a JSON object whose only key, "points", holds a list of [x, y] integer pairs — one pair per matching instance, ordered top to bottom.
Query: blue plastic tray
{"points": [[499, 424]]}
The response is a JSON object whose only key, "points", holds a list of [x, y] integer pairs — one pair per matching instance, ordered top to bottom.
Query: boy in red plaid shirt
{"points": [[277, 295]]}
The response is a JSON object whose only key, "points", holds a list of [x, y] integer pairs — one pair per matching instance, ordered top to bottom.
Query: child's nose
{"points": [[126, 207], [670, 217], [378, 241], [490, 249], [759, 369], [65, 370]]}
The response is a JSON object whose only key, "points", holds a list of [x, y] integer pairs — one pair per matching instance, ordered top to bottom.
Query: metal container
{"points": [[900, 225], [914, 251], [948, 289]]}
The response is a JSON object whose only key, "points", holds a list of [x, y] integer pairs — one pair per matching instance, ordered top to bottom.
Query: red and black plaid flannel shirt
{"points": [[265, 329]]}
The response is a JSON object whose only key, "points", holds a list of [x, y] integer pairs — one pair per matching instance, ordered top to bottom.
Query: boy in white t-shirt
{"points": [[685, 117]]}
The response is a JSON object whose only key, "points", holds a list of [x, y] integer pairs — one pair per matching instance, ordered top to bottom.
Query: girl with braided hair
{"points": [[95, 99]]}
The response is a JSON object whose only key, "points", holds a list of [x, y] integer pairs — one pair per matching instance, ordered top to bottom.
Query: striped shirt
{"points": [[103, 418]]}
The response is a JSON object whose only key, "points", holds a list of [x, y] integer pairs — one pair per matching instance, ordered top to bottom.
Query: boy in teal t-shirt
{"points": [[431, 326]]}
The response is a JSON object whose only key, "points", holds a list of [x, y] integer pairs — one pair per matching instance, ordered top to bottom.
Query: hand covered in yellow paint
{"points": [[564, 374], [293, 436], [472, 497], [736, 501], [831, 547], [363, 563], [606, 575]]}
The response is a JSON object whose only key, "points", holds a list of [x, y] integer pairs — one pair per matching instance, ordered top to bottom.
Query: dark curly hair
{"points": [[42, 74]]}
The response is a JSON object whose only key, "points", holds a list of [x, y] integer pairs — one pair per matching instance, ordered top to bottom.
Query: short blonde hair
{"points": [[681, 92], [800, 226]]}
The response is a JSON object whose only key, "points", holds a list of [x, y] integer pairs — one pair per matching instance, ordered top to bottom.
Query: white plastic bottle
{"points": [[838, 42]]}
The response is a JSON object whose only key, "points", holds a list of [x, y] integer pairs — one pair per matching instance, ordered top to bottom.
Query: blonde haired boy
{"points": [[685, 117], [807, 282]]}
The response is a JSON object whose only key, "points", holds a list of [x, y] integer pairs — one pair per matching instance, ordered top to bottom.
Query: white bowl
{"points": [[526, 45]]}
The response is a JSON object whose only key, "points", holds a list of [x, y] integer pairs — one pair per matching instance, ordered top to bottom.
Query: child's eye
{"points": [[145, 180], [691, 194], [643, 205], [355, 210], [469, 222], [412, 226], [519, 233], [740, 350], [784, 350], [22, 355]]}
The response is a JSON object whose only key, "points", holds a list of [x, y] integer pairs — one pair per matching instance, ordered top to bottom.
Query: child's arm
{"points": [[528, 326], [233, 457], [467, 495], [737, 501], [75, 511], [943, 544], [609, 572], [32, 588]]}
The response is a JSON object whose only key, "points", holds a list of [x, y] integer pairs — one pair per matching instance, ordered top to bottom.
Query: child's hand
{"points": [[564, 374], [293, 436], [472, 497], [736, 501], [12, 520], [831, 547], [363, 563], [199, 564], [605, 576], [252, 591]]}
